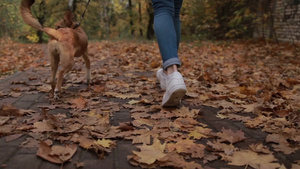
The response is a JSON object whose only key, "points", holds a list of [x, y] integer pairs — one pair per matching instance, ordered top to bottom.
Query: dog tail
{"points": [[25, 10]]}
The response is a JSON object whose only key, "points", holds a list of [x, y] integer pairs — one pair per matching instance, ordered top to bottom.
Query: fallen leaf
{"points": [[122, 96], [80, 102], [9, 110], [3, 120], [43, 126], [6, 129], [200, 132], [227, 135], [105, 143], [188, 146], [217, 146], [260, 148], [285, 148], [64, 153], [56, 154], [149, 154], [247, 157], [174, 160]]}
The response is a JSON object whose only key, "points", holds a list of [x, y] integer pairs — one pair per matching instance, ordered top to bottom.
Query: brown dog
{"points": [[65, 44]]}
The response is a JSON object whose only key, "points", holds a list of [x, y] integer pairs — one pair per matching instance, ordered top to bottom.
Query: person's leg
{"points": [[166, 31]]}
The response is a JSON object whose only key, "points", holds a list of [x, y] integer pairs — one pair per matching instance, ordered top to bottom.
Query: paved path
{"points": [[12, 156]]}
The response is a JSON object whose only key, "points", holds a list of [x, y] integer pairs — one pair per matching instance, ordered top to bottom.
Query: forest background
{"points": [[126, 19]]}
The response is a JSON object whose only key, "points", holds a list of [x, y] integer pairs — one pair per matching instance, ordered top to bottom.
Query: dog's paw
{"points": [[56, 95]]}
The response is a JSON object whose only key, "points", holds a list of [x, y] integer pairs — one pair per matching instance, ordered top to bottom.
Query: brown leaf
{"points": [[99, 88], [121, 96], [80, 102], [9, 110], [3, 120], [43, 126], [126, 126], [6, 129], [200, 132], [227, 135], [276, 138], [189, 147], [260, 148], [285, 148], [228, 149], [44, 152], [64, 153], [56, 154], [149, 154], [247, 157], [174, 160]]}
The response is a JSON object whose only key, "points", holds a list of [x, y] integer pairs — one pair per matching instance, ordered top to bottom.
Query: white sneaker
{"points": [[161, 76], [176, 89]]}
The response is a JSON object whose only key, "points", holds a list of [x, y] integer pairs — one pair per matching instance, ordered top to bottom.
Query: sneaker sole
{"points": [[175, 98]]}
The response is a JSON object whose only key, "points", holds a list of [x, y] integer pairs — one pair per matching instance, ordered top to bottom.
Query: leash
{"points": [[78, 23]]}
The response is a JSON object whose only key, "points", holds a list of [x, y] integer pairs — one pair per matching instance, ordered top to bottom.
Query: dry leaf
{"points": [[121, 96], [80, 102], [9, 110], [3, 120], [200, 132], [227, 135], [105, 143], [188, 146], [260, 148], [285, 148], [228, 149], [64, 153], [56, 154], [149, 154], [247, 157], [174, 160]]}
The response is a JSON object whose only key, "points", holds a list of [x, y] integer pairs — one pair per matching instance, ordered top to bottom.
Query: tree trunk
{"points": [[106, 17], [131, 17], [41, 19], [140, 19], [272, 20], [150, 30]]}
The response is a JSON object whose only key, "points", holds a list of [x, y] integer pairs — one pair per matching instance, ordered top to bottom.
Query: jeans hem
{"points": [[172, 61]]}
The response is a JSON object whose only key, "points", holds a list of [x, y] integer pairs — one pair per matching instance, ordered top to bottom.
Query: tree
{"points": [[40, 14], [150, 29]]}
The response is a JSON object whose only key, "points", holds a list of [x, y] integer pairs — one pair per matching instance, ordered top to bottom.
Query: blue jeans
{"points": [[168, 30]]}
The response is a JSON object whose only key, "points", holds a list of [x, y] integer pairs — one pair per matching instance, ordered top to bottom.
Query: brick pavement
{"points": [[12, 156]]}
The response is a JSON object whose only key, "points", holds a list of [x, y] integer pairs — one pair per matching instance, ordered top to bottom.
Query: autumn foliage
{"points": [[254, 83]]}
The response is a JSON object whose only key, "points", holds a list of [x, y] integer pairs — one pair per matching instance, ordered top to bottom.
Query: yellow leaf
{"points": [[132, 102], [105, 143], [149, 154]]}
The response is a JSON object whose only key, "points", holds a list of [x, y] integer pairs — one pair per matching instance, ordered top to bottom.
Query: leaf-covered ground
{"points": [[256, 83]]}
